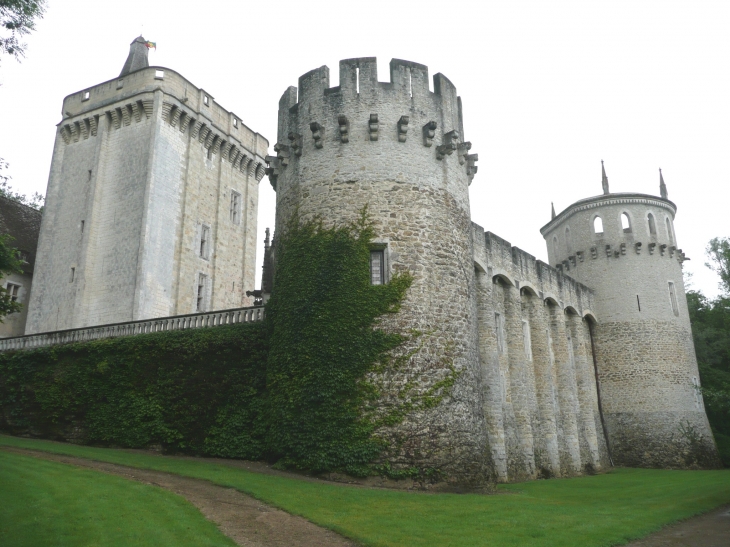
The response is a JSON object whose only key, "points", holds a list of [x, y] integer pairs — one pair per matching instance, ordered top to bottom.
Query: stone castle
{"points": [[561, 368]]}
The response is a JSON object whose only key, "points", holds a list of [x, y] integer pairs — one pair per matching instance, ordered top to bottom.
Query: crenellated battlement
{"points": [[361, 109], [500, 259]]}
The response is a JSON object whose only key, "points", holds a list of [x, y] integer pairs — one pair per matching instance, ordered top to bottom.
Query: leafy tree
{"points": [[17, 19], [719, 252], [9, 263], [711, 331]]}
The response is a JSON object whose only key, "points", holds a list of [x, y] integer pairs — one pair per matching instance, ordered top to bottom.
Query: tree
{"points": [[17, 19], [718, 250], [9, 263], [710, 320]]}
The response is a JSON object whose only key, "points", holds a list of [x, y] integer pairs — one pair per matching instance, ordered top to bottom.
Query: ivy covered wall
{"points": [[301, 389]]}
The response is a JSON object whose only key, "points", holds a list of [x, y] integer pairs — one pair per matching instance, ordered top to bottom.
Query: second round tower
{"points": [[623, 245]]}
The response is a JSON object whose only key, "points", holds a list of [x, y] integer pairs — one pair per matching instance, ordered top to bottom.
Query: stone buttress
{"points": [[541, 402]]}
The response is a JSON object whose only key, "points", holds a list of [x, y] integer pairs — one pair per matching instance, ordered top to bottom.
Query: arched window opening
{"points": [[625, 223], [652, 224], [598, 226], [669, 230], [568, 242], [555, 249]]}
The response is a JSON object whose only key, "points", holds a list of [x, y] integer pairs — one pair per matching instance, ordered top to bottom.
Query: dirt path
{"points": [[242, 518], [709, 530]]}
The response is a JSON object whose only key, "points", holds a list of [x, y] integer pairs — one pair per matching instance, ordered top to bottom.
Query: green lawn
{"points": [[49, 503], [600, 510]]}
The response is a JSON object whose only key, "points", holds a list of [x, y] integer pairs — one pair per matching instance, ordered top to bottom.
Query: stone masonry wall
{"points": [[140, 164], [420, 207]]}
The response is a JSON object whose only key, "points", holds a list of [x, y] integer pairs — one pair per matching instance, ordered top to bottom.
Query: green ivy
{"points": [[323, 318], [305, 388], [173, 389]]}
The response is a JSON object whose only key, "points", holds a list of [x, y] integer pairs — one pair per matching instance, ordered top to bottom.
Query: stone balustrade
{"points": [[131, 328]]}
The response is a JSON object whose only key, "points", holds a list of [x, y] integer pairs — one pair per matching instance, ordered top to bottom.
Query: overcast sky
{"points": [[549, 89]]}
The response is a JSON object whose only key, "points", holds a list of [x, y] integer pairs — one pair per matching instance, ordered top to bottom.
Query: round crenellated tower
{"points": [[398, 148], [624, 247]]}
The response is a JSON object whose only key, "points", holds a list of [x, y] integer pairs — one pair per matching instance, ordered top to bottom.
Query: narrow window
{"points": [[159, 74], [357, 80], [410, 83], [86, 96], [205, 100], [235, 122], [235, 207], [625, 223], [652, 224], [82, 226], [598, 226], [669, 230], [204, 241], [568, 242], [555, 249], [377, 267], [73, 274], [13, 289], [200, 293], [673, 298], [638, 302], [499, 327], [527, 339], [550, 347], [571, 355], [698, 392]]}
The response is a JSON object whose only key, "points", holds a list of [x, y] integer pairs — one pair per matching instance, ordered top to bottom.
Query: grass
{"points": [[49, 503], [599, 510]]}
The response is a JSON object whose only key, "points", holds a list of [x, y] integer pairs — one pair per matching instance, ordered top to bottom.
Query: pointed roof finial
{"points": [[137, 58], [604, 179], [662, 186], [552, 205]]}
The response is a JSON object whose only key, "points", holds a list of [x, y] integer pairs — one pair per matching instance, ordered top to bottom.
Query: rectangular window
{"points": [[159, 74], [86, 96], [235, 122], [235, 207], [204, 242], [377, 267], [73, 274], [13, 290], [200, 293], [673, 298], [499, 328], [527, 339]]}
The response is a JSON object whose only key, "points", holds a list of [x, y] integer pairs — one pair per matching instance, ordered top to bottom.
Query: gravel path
{"points": [[244, 519], [708, 530]]}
